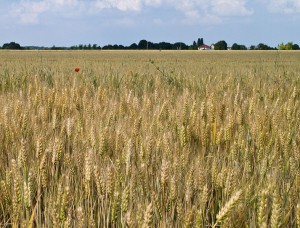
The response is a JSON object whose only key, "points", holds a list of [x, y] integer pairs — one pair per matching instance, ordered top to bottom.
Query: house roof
{"points": [[204, 46]]}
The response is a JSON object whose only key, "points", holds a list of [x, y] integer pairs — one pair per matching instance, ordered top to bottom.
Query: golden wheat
{"points": [[149, 139]]}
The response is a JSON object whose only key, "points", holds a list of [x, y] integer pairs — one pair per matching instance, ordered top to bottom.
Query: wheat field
{"points": [[149, 139]]}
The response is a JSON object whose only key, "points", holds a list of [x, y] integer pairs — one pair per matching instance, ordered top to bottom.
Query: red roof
{"points": [[204, 46]]}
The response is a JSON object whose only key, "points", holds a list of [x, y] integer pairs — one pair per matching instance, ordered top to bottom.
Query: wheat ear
{"points": [[227, 208]]}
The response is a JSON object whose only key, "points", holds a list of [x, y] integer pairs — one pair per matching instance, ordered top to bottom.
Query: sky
{"points": [[102, 22]]}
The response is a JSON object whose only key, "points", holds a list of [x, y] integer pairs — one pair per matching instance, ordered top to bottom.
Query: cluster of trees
{"points": [[142, 45], [147, 45], [221, 45], [12, 46], [236, 46], [262, 46], [288, 46], [85, 47]]}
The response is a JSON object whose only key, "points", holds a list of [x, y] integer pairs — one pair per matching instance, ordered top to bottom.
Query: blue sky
{"points": [[73, 22]]}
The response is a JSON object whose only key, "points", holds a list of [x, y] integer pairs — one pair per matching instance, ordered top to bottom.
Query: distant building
{"points": [[204, 47]]}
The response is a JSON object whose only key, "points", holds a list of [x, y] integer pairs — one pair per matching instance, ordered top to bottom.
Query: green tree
{"points": [[200, 42], [143, 44], [12, 45], [151, 45], [221, 45], [133, 46], [165, 46], [180, 46], [194, 46], [236, 46], [262, 46], [281, 46], [287, 46], [108, 47], [243, 47], [296, 47]]}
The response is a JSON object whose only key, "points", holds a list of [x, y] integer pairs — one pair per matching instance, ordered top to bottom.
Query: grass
{"points": [[149, 139]]}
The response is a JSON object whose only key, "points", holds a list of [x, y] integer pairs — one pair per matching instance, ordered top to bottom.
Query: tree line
{"points": [[148, 45]]}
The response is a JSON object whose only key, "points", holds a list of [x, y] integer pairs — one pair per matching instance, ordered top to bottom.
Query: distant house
{"points": [[206, 47]]}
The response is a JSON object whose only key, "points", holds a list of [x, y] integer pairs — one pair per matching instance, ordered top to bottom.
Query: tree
{"points": [[200, 42], [143, 44], [12, 45], [151, 45], [221, 45], [133, 46], [165, 46], [180, 46], [194, 46], [236, 46], [262, 46], [281, 46], [288, 46], [94, 47], [107, 47], [243, 47], [296, 47]]}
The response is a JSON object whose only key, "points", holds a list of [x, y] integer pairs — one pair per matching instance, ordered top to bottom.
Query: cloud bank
{"points": [[284, 6], [192, 11]]}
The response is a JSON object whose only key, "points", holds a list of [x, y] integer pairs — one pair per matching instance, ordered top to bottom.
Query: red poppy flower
{"points": [[77, 69]]}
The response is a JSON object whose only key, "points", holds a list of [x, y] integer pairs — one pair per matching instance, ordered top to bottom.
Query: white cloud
{"points": [[153, 2], [123, 5], [284, 6], [230, 8], [29, 11], [193, 11], [211, 11]]}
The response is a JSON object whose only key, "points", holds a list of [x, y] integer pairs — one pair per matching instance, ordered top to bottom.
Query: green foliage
{"points": [[200, 42], [143, 44], [148, 45], [221, 45], [12, 46], [133, 46], [194, 46], [236, 46], [262, 46], [288, 46], [85, 47], [296, 47]]}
